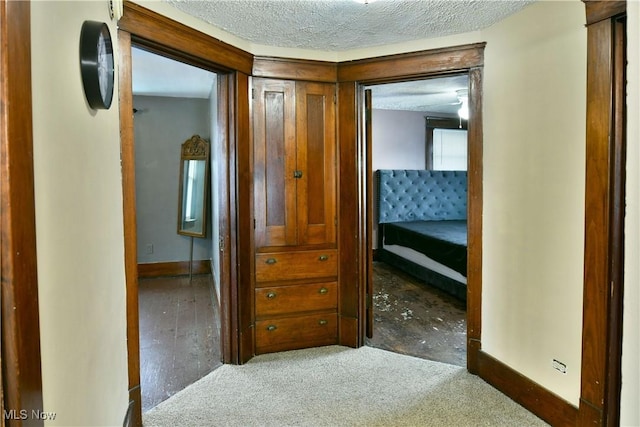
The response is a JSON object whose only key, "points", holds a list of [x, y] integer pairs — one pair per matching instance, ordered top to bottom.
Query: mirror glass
{"points": [[194, 176]]}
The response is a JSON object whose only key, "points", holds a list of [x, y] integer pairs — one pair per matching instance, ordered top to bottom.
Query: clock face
{"points": [[96, 63], [105, 67]]}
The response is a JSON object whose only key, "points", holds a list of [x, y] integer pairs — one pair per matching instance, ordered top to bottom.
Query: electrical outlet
{"points": [[149, 248], [558, 365]]}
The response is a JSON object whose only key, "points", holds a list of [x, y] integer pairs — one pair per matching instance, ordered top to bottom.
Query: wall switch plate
{"points": [[149, 248], [559, 366]]}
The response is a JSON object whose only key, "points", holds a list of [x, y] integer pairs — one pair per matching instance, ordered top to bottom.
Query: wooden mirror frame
{"points": [[194, 149]]}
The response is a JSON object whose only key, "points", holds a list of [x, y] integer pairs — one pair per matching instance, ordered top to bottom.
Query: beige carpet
{"points": [[339, 386]]}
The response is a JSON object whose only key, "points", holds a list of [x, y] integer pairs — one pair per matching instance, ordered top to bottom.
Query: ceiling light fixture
{"points": [[364, 1]]}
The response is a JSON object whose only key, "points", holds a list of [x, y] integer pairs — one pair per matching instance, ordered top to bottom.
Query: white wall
{"points": [[161, 126], [398, 139], [398, 142], [79, 225], [630, 410]]}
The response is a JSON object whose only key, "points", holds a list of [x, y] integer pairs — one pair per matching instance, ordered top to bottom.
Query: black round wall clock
{"points": [[96, 64]]}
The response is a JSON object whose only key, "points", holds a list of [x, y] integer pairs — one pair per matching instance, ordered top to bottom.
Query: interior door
{"points": [[369, 210]]}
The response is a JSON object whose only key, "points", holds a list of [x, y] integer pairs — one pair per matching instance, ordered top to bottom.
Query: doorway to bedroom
{"points": [[175, 104], [417, 132]]}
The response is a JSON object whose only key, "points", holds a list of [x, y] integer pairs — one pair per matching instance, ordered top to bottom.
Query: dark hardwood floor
{"points": [[415, 319], [179, 334]]}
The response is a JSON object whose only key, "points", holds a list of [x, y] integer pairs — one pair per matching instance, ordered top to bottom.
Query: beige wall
{"points": [[534, 160], [533, 186], [78, 196]]}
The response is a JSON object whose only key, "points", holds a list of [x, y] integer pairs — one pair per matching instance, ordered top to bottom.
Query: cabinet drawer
{"points": [[277, 266], [286, 299], [289, 333]]}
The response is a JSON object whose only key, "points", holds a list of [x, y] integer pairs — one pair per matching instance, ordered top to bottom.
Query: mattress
{"points": [[442, 241]]}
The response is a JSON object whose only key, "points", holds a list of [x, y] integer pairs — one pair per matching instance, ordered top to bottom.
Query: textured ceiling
{"points": [[330, 25], [339, 25], [437, 95]]}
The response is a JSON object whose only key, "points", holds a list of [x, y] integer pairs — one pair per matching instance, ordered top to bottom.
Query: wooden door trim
{"points": [[599, 10], [159, 34], [181, 42], [463, 59], [414, 65], [295, 69], [127, 154], [368, 157], [241, 161], [604, 214], [21, 359]]}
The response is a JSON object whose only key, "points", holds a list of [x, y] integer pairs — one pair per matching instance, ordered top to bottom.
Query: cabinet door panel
{"points": [[316, 157], [274, 162]]}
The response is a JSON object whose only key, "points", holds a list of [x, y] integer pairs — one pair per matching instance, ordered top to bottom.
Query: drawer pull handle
{"points": [[323, 257], [270, 261], [323, 290], [271, 295], [322, 322], [271, 328]]}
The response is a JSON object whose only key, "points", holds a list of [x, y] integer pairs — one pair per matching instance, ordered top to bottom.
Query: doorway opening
{"points": [[417, 131], [178, 275]]}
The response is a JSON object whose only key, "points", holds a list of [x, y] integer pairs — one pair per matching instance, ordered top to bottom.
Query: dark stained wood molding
{"points": [[599, 10], [184, 42], [417, 64], [295, 69], [127, 153], [617, 184], [604, 215], [350, 216], [474, 217], [227, 228], [244, 262], [173, 268], [21, 361], [537, 399]]}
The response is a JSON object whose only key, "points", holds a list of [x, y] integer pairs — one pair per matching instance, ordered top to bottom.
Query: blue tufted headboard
{"points": [[421, 195]]}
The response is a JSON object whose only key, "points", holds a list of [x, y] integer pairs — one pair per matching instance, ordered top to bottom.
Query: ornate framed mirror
{"points": [[194, 187]]}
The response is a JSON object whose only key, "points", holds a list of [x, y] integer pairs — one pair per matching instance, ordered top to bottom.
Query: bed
{"points": [[422, 225]]}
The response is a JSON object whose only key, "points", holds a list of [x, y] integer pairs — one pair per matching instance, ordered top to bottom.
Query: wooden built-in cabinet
{"points": [[295, 185]]}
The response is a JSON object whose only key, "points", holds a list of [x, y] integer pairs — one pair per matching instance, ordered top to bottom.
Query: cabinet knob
{"points": [[297, 174], [323, 257], [271, 261], [323, 290], [271, 295], [322, 322], [271, 328]]}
